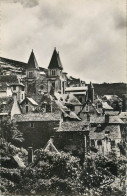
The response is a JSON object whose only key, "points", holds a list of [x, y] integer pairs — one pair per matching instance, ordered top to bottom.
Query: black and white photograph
{"points": [[63, 97]]}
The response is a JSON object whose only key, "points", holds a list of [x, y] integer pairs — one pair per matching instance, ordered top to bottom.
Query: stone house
{"points": [[28, 105], [37, 128], [105, 134], [73, 137], [106, 140]]}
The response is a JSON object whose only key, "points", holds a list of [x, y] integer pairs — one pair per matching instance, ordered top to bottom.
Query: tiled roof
{"points": [[55, 61], [32, 62], [71, 99], [106, 106], [37, 117], [101, 120], [73, 126], [114, 133]]}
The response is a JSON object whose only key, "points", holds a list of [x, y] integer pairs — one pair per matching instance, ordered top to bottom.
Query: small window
{"points": [[53, 72], [30, 74], [14, 88], [22, 88], [22, 96], [87, 108], [26, 109], [32, 125], [107, 132], [99, 142], [92, 143], [112, 143]]}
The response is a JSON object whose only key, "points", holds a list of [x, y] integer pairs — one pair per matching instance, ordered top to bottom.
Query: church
{"points": [[53, 80]]}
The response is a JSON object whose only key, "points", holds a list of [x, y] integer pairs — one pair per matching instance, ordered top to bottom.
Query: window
{"points": [[53, 72], [30, 74], [14, 88], [22, 88], [22, 96], [26, 101], [87, 108], [26, 109], [32, 125], [99, 142], [93, 143], [112, 143]]}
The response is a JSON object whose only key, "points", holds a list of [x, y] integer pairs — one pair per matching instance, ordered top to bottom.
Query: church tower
{"points": [[32, 70], [32, 75], [56, 81]]}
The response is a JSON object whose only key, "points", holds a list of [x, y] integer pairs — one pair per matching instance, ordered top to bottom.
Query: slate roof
{"points": [[55, 61], [32, 62], [71, 99], [106, 106], [36, 117], [101, 120], [73, 126], [114, 133]]}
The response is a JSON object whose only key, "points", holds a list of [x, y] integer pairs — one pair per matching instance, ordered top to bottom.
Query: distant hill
{"points": [[110, 89]]}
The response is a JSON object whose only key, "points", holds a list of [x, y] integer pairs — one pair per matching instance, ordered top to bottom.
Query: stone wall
{"points": [[38, 136]]}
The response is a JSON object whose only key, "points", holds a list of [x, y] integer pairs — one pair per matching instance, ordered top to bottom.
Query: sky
{"points": [[90, 35]]}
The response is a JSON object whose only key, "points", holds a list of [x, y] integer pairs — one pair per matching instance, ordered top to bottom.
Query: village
{"points": [[44, 110]]}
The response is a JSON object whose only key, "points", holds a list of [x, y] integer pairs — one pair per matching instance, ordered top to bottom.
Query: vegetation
{"points": [[110, 89]]}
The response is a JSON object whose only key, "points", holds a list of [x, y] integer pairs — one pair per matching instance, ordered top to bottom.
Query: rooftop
{"points": [[55, 61], [32, 62], [37, 117], [101, 120], [73, 126], [112, 132]]}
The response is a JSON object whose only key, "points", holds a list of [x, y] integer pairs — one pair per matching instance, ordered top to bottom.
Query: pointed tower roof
{"points": [[55, 61], [32, 62]]}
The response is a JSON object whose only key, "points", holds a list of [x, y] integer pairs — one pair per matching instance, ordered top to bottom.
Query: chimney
{"points": [[88, 117], [106, 118], [30, 155]]}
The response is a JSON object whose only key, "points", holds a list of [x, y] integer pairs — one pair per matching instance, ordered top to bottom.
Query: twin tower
{"points": [[56, 79]]}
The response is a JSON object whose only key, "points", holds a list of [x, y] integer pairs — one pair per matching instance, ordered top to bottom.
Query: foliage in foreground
{"points": [[60, 174]]}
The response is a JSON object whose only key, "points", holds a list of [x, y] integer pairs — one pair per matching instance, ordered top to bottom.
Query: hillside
{"points": [[110, 89]]}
